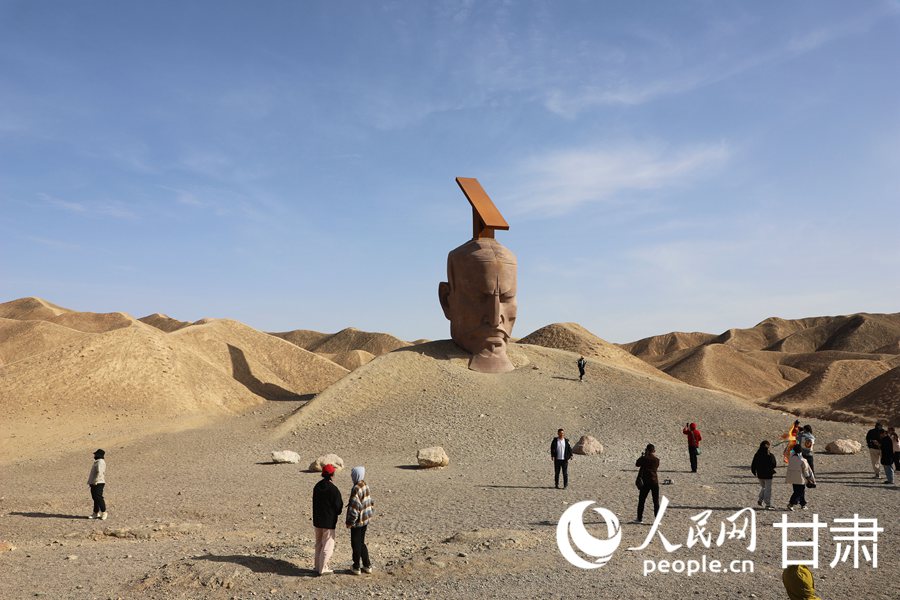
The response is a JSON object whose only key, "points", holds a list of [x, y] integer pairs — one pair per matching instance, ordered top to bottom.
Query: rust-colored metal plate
{"points": [[485, 216]]}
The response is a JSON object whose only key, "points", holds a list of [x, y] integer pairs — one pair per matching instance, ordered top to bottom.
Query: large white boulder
{"points": [[588, 445], [843, 447], [285, 456], [432, 457], [327, 459]]}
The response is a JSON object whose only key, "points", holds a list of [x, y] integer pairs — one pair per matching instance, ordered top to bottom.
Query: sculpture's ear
{"points": [[444, 297]]}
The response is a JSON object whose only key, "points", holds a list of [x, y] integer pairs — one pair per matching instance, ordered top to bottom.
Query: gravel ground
{"points": [[202, 513]]}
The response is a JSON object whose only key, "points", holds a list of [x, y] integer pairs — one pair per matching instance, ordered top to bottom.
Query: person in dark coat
{"points": [[581, 364], [873, 443], [561, 453], [887, 457], [647, 464], [763, 466], [327, 505]]}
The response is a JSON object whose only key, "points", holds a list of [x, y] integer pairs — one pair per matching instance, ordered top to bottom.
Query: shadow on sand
{"points": [[244, 375], [41, 515], [262, 564]]}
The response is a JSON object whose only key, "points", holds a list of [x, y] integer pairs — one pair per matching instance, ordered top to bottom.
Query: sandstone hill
{"points": [[339, 345], [813, 366], [73, 379]]}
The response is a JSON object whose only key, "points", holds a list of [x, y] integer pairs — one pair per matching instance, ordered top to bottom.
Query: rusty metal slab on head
{"points": [[485, 216]]}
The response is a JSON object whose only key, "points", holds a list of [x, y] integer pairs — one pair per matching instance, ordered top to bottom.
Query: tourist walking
{"points": [[581, 365], [893, 433], [693, 437], [806, 440], [873, 442], [561, 452], [887, 457], [763, 466], [799, 475], [97, 481], [647, 481], [327, 505], [360, 510]]}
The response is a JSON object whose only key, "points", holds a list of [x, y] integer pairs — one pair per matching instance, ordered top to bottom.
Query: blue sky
{"points": [[663, 166]]}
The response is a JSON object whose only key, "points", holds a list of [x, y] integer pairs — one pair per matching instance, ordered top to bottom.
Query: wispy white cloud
{"points": [[569, 103], [560, 181], [115, 210]]}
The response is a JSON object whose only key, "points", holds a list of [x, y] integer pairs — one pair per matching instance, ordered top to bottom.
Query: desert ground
{"points": [[189, 417]]}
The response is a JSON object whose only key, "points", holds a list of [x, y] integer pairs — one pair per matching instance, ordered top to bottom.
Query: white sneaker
{"points": [[792, 507], [804, 507], [94, 516], [103, 516], [637, 521], [367, 570], [326, 572]]}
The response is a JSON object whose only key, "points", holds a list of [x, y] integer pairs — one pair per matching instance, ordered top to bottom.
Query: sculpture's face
{"points": [[480, 302]]}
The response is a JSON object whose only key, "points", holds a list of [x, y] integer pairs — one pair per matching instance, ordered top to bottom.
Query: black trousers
{"points": [[580, 373], [693, 453], [812, 462], [561, 465], [649, 488], [799, 495], [97, 497], [358, 544]]}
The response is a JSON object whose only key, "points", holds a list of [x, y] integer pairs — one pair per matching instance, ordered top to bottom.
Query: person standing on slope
{"points": [[581, 364], [893, 433], [693, 437], [873, 438], [806, 440], [561, 453], [887, 457], [763, 466], [799, 475], [97, 481], [647, 481], [327, 505], [360, 510]]}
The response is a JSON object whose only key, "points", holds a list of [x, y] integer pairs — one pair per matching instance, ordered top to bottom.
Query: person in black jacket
{"points": [[581, 365], [873, 442], [561, 452], [887, 457], [763, 466], [647, 481], [327, 505]]}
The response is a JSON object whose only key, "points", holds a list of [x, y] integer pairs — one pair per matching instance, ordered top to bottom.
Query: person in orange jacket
{"points": [[694, 437]]}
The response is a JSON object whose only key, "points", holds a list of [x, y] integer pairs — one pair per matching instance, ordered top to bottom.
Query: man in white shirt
{"points": [[561, 452]]}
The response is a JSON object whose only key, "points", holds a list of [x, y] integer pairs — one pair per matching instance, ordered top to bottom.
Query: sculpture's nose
{"points": [[496, 314]]}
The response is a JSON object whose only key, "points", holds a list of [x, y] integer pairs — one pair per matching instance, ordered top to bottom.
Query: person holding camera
{"points": [[647, 481]]}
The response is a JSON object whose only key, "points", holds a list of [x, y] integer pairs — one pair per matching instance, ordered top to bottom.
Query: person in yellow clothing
{"points": [[798, 581]]}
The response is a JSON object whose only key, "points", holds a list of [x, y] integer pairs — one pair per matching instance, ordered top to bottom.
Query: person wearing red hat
{"points": [[327, 505]]}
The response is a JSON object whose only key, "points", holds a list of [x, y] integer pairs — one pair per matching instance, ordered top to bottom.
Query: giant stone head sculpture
{"points": [[479, 296]]}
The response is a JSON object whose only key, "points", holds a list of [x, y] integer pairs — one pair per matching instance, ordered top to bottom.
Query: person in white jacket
{"points": [[799, 475], [97, 481]]}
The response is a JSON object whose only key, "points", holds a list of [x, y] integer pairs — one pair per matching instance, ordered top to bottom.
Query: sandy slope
{"points": [[164, 322], [573, 337]]}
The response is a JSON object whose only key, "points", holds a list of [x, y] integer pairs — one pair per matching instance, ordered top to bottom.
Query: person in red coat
{"points": [[693, 437]]}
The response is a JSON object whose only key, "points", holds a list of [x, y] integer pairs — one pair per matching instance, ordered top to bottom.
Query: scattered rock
{"points": [[588, 445], [843, 447], [285, 456], [432, 457], [327, 459], [6, 547], [72, 557]]}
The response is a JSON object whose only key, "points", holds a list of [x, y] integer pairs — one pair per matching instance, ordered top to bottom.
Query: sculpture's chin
{"points": [[491, 362]]}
